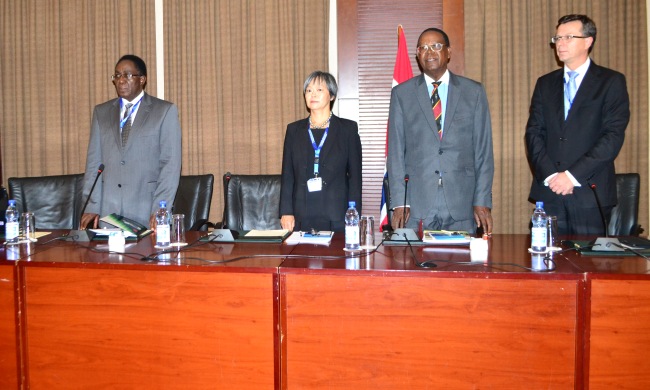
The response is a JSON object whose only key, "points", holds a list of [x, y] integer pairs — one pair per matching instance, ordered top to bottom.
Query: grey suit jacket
{"points": [[464, 158], [137, 177]]}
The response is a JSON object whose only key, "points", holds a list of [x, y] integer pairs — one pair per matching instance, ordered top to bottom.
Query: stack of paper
{"points": [[446, 237], [321, 238]]}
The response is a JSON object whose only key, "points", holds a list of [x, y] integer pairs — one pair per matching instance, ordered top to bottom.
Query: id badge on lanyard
{"points": [[131, 111], [316, 183]]}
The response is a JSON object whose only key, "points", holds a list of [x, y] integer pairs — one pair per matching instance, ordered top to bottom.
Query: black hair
{"points": [[434, 29], [137, 61]]}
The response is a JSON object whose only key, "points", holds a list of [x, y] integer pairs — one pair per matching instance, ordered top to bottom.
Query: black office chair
{"points": [[193, 198], [54, 200], [251, 202], [624, 220]]}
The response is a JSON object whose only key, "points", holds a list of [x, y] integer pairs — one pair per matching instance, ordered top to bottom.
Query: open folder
{"points": [[227, 235], [319, 238]]}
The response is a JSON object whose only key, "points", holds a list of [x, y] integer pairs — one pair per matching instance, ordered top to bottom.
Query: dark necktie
{"points": [[437, 107], [127, 126]]}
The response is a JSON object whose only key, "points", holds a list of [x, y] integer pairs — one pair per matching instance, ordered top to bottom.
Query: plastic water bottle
{"points": [[11, 225], [162, 226], [352, 227], [539, 229]]}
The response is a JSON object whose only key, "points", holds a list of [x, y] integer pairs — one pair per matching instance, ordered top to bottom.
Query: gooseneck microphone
{"points": [[99, 173], [226, 184], [406, 188], [600, 208], [225, 234], [405, 234], [86, 235], [607, 243]]}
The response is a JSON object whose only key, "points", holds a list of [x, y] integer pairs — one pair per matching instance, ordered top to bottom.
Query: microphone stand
{"points": [[224, 220], [404, 232], [225, 234], [84, 235], [607, 243]]}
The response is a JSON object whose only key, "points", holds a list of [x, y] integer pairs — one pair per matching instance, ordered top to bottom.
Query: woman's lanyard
{"points": [[132, 110], [318, 148]]}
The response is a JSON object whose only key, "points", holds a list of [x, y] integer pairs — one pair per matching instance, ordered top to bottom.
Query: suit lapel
{"points": [[590, 83], [453, 97], [557, 97], [424, 100], [144, 110], [114, 119], [331, 134]]}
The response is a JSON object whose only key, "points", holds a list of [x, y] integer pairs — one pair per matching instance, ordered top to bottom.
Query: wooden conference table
{"points": [[264, 316]]}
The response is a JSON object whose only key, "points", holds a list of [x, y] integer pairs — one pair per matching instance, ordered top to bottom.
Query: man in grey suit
{"points": [[138, 139], [449, 159]]}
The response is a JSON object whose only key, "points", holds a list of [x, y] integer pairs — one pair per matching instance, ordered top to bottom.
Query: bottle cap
{"points": [[12, 202], [352, 203], [163, 204], [539, 205]]}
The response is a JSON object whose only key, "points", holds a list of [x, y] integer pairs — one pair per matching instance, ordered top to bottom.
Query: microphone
{"points": [[226, 184], [406, 187], [225, 234], [403, 234], [86, 235], [607, 243]]}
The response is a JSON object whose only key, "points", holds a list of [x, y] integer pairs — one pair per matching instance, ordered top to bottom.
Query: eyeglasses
{"points": [[565, 38], [432, 47], [127, 76]]}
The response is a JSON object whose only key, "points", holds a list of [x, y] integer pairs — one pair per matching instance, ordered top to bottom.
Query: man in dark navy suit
{"points": [[576, 128]]}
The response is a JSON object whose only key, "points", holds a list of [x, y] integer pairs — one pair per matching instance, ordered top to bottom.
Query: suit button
{"points": [[562, 139], [440, 151], [122, 162], [557, 163], [437, 172], [119, 186]]}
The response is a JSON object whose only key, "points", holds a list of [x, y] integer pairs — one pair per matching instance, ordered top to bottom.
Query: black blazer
{"points": [[587, 143], [339, 167]]}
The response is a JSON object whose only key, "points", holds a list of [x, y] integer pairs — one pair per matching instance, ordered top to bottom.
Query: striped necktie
{"points": [[437, 107]]}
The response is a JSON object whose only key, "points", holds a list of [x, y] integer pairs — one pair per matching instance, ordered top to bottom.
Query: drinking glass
{"points": [[28, 226], [178, 230], [367, 232]]}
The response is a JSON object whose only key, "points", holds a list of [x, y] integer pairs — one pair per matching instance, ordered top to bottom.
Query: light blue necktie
{"points": [[570, 92]]}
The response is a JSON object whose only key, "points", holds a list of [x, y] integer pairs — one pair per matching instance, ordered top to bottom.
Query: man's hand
{"points": [[561, 184], [400, 217], [88, 218], [483, 218], [152, 222], [288, 222]]}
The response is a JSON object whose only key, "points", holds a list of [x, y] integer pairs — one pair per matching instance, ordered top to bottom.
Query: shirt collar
{"points": [[582, 69], [444, 79], [137, 98]]}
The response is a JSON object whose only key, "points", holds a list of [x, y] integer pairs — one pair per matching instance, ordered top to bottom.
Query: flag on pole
{"points": [[401, 73]]}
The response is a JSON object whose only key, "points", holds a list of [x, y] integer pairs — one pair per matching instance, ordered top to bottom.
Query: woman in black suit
{"points": [[321, 164]]}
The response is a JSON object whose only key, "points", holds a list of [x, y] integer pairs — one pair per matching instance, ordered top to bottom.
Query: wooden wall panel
{"points": [[367, 45], [100, 328], [424, 332], [620, 334], [8, 341]]}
